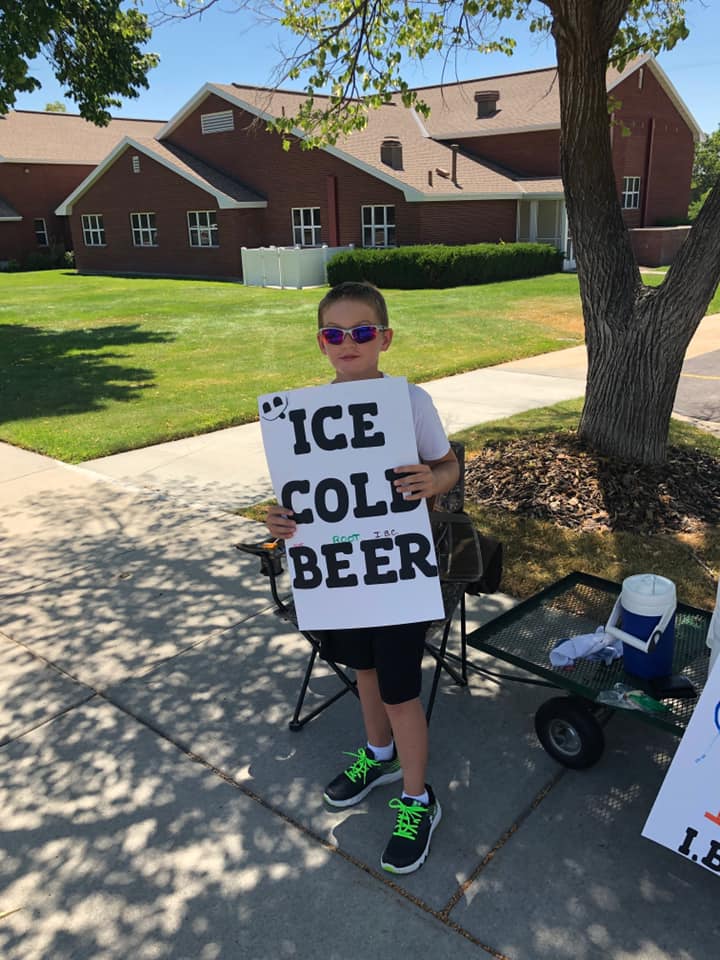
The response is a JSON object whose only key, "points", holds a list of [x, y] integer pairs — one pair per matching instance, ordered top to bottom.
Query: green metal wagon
{"points": [[570, 727]]}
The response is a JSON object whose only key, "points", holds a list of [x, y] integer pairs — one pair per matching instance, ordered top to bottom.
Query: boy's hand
{"points": [[418, 482], [279, 523]]}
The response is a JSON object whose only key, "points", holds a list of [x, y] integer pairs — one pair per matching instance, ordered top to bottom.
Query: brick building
{"points": [[43, 157], [484, 166]]}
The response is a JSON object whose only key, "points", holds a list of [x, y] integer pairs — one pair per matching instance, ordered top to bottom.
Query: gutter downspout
{"points": [[333, 219]]}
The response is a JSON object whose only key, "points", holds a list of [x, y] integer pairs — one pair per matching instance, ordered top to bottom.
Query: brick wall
{"points": [[658, 148], [526, 154], [299, 177], [294, 178], [155, 189], [35, 190], [475, 221], [657, 246]]}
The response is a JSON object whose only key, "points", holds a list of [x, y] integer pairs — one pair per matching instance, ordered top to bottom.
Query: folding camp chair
{"points": [[271, 556]]}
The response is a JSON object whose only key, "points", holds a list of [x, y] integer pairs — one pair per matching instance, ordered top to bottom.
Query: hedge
{"points": [[415, 268]]}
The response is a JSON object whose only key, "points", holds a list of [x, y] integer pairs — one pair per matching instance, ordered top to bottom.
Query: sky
{"points": [[226, 47]]}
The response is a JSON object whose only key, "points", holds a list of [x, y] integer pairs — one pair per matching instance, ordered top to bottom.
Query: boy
{"points": [[353, 331]]}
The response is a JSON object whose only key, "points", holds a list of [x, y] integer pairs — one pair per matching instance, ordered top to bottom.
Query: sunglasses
{"points": [[362, 334]]}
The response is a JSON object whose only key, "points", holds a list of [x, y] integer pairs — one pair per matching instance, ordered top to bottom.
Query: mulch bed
{"points": [[555, 477]]}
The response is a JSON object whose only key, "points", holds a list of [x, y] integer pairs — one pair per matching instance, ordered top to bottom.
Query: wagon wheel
{"points": [[570, 732]]}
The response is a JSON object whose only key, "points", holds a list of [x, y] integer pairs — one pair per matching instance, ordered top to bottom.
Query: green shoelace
{"points": [[362, 764], [408, 820]]}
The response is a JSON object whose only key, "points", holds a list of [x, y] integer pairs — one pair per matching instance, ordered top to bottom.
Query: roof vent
{"points": [[486, 101], [217, 122], [391, 153]]}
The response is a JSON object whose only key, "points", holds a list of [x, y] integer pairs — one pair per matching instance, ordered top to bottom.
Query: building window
{"points": [[217, 122], [631, 193], [306, 226], [378, 226], [203, 228], [93, 230], [144, 231], [41, 232]]}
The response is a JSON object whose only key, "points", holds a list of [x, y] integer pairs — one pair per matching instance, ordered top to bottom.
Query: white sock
{"points": [[382, 753], [423, 798]]}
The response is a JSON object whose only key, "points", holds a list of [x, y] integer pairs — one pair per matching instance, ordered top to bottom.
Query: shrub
{"points": [[696, 206], [50, 259], [38, 261], [436, 266]]}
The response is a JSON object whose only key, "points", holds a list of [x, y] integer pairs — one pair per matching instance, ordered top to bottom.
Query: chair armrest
{"points": [[270, 553]]}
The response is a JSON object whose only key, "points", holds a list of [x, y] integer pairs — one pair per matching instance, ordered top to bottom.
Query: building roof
{"points": [[526, 101], [28, 136], [427, 165], [434, 165], [228, 193]]}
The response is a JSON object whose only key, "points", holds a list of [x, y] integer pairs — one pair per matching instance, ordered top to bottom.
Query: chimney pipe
{"points": [[486, 101], [454, 147]]}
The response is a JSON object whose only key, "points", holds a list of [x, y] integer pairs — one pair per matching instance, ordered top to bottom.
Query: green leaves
{"points": [[649, 26], [358, 48], [94, 49], [706, 166]]}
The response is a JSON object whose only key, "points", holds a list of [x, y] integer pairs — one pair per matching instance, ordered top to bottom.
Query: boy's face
{"points": [[351, 360]]}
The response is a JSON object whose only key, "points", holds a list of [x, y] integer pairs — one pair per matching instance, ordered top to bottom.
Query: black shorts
{"points": [[396, 653]]}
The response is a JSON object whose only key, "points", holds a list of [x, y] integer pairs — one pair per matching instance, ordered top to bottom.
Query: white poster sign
{"points": [[363, 556], [686, 814]]}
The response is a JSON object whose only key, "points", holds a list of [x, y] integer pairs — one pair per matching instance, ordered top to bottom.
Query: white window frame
{"points": [[630, 193], [306, 226], [378, 226], [203, 228], [93, 229], [144, 229], [41, 234]]}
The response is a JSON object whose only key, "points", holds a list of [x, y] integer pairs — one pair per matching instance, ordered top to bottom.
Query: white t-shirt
{"points": [[430, 436], [432, 441]]}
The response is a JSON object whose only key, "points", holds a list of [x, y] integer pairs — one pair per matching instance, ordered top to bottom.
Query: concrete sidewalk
{"points": [[205, 469], [155, 804]]}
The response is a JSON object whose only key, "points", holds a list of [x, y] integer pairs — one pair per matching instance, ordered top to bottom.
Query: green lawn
{"points": [[93, 365]]}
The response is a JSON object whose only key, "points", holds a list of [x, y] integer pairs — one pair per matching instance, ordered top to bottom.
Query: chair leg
{"points": [[463, 640], [441, 659], [440, 665], [349, 686]]}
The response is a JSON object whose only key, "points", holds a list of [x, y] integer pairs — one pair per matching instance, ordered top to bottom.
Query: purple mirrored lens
{"points": [[363, 334], [333, 335], [336, 335]]}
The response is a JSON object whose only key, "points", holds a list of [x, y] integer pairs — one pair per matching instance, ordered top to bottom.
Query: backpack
{"points": [[463, 554]]}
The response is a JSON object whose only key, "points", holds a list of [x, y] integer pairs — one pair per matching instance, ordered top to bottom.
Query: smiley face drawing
{"points": [[274, 409]]}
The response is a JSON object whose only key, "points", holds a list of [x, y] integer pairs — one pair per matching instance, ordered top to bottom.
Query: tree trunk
{"points": [[636, 336]]}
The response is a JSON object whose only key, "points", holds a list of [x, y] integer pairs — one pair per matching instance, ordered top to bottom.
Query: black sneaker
{"points": [[358, 780], [410, 843]]}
